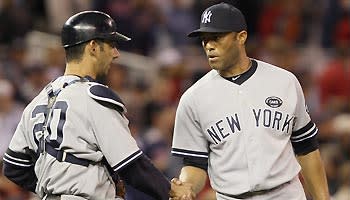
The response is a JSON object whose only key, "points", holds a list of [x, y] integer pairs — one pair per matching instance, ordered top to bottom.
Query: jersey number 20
{"points": [[55, 123]]}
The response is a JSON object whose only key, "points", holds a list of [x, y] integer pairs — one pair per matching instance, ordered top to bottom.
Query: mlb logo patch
{"points": [[273, 102]]}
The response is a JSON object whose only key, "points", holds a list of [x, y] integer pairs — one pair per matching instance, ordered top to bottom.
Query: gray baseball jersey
{"points": [[83, 127], [246, 127]]}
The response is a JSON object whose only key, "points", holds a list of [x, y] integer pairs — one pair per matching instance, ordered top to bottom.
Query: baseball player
{"points": [[244, 121], [73, 140]]}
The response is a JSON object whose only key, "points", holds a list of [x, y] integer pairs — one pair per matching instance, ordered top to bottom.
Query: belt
{"points": [[63, 156], [249, 194], [52, 197], [62, 197], [69, 197]]}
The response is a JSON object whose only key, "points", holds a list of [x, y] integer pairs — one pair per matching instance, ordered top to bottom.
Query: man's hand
{"points": [[120, 189], [181, 190]]}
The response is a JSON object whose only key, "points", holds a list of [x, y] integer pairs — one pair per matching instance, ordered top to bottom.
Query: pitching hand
{"points": [[181, 190]]}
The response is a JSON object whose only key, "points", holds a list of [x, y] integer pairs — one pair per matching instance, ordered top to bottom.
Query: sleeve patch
{"points": [[103, 94]]}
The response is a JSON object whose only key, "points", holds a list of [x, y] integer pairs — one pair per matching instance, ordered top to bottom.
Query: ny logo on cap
{"points": [[206, 16]]}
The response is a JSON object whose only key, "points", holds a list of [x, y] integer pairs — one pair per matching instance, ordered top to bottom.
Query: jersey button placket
{"points": [[246, 138], [251, 146]]}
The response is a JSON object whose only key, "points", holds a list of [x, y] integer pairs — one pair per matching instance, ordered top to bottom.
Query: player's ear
{"points": [[242, 37], [91, 47]]}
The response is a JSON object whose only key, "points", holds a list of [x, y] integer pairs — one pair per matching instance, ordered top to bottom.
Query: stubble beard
{"points": [[101, 77]]}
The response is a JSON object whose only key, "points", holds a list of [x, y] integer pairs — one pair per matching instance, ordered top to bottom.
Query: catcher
{"points": [[73, 140]]}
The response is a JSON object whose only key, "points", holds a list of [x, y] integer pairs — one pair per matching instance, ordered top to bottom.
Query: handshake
{"points": [[181, 190]]}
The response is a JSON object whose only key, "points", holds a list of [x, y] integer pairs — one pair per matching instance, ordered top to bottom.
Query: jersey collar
{"points": [[245, 76], [87, 78], [90, 78]]}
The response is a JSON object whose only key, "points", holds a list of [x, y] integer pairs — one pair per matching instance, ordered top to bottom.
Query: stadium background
{"points": [[310, 38]]}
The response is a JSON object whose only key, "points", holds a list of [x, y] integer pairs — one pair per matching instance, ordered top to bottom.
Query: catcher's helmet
{"points": [[88, 25]]}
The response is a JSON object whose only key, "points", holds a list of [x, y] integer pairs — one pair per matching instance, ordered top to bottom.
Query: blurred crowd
{"points": [[310, 38]]}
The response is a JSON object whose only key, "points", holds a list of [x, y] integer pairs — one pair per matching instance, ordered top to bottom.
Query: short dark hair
{"points": [[75, 53]]}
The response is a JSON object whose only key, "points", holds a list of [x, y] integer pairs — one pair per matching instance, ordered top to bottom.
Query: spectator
{"points": [[336, 22], [334, 82], [10, 114], [343, 192]]}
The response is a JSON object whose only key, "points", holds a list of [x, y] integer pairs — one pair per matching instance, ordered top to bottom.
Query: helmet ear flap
{"points": [[88, 25]]}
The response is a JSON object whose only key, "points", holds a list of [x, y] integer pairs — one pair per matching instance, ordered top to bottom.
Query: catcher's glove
{"points": [[120, 188]]}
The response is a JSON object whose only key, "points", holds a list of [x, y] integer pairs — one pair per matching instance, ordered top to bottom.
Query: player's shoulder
{"points": [[274, 71], [203, 81], [199, 86], [105, 96], [39, 99], [37, 103]]}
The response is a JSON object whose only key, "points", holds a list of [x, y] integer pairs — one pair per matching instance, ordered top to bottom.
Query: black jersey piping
{"points": [[245, 76]]}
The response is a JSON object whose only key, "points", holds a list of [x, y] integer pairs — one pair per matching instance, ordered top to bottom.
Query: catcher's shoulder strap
{"points": [[106, 97]]}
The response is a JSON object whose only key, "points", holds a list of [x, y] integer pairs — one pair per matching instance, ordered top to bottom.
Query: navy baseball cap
{"points": [[220, 18]]}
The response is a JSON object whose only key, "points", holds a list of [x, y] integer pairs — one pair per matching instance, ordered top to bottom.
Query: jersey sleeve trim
{"points": [[308, 131], [304, 140], [185, 153], [18, 159], [127, 160], [196, 162]]}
